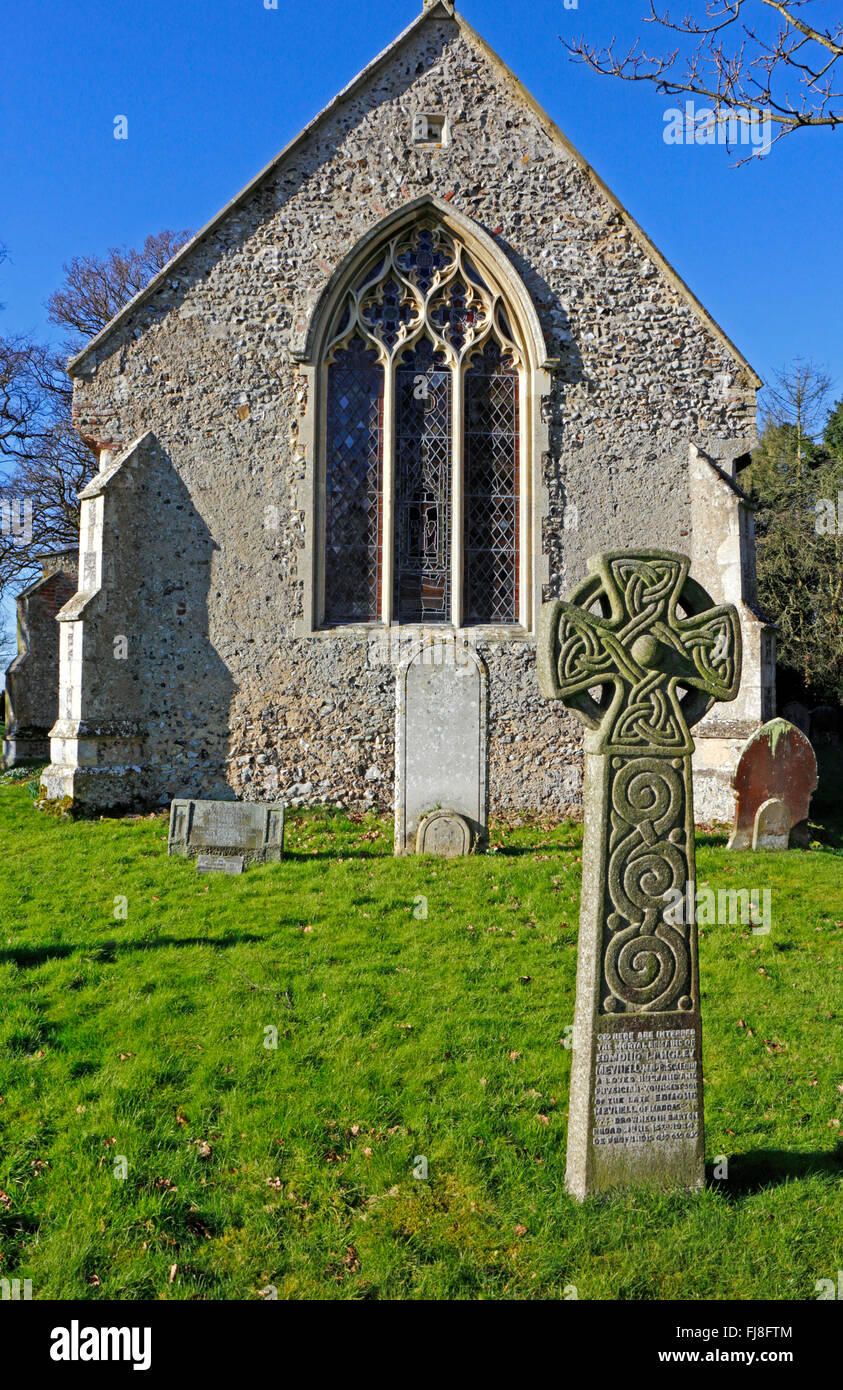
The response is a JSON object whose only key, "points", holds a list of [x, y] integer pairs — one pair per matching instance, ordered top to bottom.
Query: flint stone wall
{"points": [[218, 535], [32, 679]]}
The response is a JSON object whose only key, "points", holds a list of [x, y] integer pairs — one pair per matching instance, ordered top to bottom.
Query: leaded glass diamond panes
{"points": [[418, 316], [353, 484], [422, 486], [491, 488]]}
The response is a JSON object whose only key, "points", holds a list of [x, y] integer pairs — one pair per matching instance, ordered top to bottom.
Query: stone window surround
{"points": [[536, 376]]}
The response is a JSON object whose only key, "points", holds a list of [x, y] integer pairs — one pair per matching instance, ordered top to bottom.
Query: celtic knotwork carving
{"points": [[659, 651], [640, 652], [646, 961]]}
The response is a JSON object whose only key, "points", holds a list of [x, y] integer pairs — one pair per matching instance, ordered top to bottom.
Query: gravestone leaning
{"points": [[441, 750], [777, 763], [246, 832], [636, 1109]]}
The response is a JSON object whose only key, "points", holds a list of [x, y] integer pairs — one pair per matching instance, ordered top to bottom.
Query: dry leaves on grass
{"points": [[196, 1224]]}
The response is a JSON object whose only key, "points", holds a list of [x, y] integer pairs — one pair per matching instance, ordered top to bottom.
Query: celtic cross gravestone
{"points": [[640, 653]]}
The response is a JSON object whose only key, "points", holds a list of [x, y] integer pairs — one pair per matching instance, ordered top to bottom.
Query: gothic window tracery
{"points": [[422, 443]]}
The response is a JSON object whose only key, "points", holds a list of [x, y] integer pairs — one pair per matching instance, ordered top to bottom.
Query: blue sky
{"points": [[212, 91]]}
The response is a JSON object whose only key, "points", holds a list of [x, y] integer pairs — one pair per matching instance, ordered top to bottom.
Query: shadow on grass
{"points": [[509, 851], [307, 856], [29, 957], [761, 1168]]}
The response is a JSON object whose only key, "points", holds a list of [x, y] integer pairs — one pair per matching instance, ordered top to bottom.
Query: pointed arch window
{"points": [[423, 511]]}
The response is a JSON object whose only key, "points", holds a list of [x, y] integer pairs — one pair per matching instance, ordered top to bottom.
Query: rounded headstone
{"points": [[797, 714], [776, 763], [772, 825], [444, 832]]}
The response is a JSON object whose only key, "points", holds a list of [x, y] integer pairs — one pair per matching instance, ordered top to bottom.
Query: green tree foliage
{"points": [[833, 437], [797, 484]]}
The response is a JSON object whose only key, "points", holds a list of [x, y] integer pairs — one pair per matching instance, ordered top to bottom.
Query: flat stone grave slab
{"points": [[441, 749], [777, 763], [247, 830]]}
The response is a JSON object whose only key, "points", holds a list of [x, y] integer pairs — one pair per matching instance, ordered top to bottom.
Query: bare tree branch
{"points": [[740, 62], [95, 290], [44, 463]]}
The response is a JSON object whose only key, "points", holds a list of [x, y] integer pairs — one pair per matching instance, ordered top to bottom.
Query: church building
{"points": [[398, 391]]}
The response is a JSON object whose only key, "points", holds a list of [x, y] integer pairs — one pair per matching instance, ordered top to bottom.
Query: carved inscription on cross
{"points": [[639, 652]]}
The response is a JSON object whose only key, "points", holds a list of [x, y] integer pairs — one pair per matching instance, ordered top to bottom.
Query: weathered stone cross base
{"points": [[636, 1106]]}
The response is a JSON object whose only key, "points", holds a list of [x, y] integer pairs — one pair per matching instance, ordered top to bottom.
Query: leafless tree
{"points": [[772, 59], [95, 290], [27, 372], [44, 463]]}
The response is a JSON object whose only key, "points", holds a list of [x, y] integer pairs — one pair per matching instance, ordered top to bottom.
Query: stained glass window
{"points": [[419, 321], [353, 484], [423, 486], [491, 488]]}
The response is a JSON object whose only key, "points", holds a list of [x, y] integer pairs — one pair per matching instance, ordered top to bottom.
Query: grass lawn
{"points": [[420, 1008]]}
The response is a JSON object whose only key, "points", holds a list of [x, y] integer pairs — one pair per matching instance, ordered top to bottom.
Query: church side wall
{"points": [[208, 366]]}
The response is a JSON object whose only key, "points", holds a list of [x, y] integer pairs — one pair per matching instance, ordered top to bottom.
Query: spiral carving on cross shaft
{"points": [[646, 960]]}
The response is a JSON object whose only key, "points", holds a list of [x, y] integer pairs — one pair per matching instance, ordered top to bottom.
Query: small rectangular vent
{"points": [[431, 128]]}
